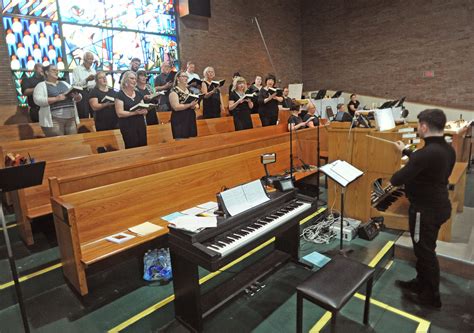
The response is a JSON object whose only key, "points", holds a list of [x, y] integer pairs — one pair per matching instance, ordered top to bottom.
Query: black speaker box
{"points": [[200, 8]]}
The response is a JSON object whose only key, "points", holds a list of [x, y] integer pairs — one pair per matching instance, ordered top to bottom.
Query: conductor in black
{"points": [[425, 177]]}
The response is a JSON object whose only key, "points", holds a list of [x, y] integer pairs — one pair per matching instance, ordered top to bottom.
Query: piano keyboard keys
{"points": [[235, 239]]}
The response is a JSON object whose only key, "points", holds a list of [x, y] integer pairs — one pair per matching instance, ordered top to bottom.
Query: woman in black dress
{"points": [[255, 88], [145, 89], [268, 103], [212, 105], [353, 105], [239, 106], [183, 116], [105, 117], [132, 123]]}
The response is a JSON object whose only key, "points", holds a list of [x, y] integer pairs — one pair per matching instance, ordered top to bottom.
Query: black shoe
{"points": [[412, 285], [430, 299]]}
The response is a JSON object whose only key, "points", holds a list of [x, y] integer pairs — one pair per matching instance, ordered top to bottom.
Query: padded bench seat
{"points": [[333, 285]]}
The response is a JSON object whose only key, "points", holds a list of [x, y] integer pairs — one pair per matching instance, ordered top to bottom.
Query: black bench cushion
{"points": [[334, 284]]}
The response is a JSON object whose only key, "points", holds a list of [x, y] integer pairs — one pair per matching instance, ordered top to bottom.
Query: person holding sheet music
{"points": [[84, 76], [164, 82], [194, 87], [255, 88], [147, 91], [268, 102], [102, 103], [212, 105], [240, 105], [353, 105], [58, 112], [183, 115], [310, 118], [131, 120], [295, 122]]}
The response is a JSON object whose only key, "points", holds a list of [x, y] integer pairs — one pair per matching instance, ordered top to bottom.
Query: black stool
{"points": [[332, 286]]}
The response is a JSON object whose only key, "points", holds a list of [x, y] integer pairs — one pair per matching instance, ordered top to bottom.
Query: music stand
{"points": [[343, 174], [11, 179]]}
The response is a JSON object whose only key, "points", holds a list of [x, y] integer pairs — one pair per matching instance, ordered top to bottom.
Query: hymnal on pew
{"points": [[145, 229]]}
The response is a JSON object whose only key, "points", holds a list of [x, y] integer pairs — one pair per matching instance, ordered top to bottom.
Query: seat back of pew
{"points": [[33, 130], [89, 172], [83, 219]]}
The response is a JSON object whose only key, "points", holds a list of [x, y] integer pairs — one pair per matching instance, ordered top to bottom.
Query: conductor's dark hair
{"points": [[136, 59], [270, 77], [352, 95], [340, 105], [435, 119]]}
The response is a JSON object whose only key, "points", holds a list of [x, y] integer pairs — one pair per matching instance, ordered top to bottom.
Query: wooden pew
{"points": [[33, 130], [54, 148], [71, 175], [83, 219]]}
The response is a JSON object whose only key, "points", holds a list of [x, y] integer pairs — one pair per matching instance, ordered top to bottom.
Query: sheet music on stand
{"points": [[341, 172], [243, 197]]}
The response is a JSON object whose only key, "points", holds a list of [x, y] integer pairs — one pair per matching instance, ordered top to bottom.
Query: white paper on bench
{"points": [[194, 223], [145, 228]]}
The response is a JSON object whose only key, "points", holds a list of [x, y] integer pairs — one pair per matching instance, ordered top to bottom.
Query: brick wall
{"points": [[230, 40], [382, 48]]}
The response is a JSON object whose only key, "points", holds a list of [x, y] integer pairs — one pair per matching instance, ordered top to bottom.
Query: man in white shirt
{"points": [[190, 67], [84, 76]]}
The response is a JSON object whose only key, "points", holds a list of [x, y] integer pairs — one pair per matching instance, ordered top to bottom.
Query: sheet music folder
{"points": [[341, 172], [23, 176], [241, 198]]}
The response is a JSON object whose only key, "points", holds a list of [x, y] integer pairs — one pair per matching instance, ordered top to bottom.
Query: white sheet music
{"points": [[341, 172], [255, 193], [243, 197]]}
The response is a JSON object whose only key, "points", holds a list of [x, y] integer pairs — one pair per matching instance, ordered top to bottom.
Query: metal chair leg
{"points": [[367, 300], [299, 313]]}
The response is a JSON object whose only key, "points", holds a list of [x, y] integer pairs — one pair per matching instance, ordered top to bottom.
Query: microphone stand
{"points": [[291, 152], [318, 159]]}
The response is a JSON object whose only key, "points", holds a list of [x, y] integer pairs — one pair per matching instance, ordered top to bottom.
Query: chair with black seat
{"points": [[332, 286]]}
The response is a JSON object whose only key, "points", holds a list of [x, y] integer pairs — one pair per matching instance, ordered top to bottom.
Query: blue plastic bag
{"points": [[157, 266]]}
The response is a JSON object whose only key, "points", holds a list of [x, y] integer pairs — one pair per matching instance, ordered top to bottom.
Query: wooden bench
{"points": [[33, 130], [59, 147], [72, 175], [83, 219]]}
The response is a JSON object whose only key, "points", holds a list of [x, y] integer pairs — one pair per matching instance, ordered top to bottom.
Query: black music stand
{"points": [[11, 179], [343, 179]]}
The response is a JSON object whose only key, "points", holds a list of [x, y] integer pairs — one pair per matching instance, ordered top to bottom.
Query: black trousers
{"points": [[83, 108], [34, 114], [133, 131], [427, 266]]}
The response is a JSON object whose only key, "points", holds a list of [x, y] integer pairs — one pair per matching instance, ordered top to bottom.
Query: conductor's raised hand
{"points": [[399, 145]]}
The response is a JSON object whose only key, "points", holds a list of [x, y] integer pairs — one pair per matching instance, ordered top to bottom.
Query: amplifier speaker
{"points": [[200, 8]]}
